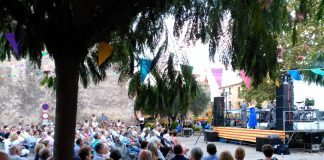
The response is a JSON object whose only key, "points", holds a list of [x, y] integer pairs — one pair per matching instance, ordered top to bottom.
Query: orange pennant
{"points": [[105, 51], [277, 83]]}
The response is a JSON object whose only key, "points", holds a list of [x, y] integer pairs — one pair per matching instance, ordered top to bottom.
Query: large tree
{"points": [[72, 29], [171, 93]]}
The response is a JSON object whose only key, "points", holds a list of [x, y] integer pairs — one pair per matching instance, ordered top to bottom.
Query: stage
{"points": [[244, 134]]}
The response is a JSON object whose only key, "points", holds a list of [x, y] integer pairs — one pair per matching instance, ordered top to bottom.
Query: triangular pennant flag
{"points": [[12, 41], [105, 51], [44, 53], [145, 68], [318, 71], [218, 73], [295, 75], [246, 79], [277, 83]]}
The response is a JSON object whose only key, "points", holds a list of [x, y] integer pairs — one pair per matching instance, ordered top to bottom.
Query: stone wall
{"points": [[22, 96]]}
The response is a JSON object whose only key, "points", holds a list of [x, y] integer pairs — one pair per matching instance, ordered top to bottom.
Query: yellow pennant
{"points": [[105, 51], [277, 83]]}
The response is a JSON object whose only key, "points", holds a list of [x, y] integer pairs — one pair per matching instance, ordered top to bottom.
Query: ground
{"points": [[250, 152]]}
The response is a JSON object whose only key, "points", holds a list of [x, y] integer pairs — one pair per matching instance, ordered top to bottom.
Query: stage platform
{"points": [[244, 134]]}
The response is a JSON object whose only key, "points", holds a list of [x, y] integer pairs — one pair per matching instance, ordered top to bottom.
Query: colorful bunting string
{"points": [[12, 41], [105, 51], [145, 68], [318, 71], [218, 73], [295, 75], [246, 79], [277, 83]]}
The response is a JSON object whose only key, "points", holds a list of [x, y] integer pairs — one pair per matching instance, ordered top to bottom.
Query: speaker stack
{"points": [[284, 102], [218, 111], [313, 141]]}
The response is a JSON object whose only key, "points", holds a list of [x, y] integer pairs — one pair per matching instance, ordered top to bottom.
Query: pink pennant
{"points": [[217, 73], [246, 79]]}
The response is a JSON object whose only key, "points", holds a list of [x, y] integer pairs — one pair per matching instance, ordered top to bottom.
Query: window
{"points": [[230, 90], [238, 92]]}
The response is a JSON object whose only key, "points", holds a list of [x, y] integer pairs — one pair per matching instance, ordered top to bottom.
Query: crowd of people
{"points": [[100, 139]]}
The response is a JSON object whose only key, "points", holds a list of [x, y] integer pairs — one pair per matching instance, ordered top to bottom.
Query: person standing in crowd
{"points": [[93, 117], [103, 118], [141, 120], [96, 141], [177, 150], [211, 150], [268, 151], [84, 153], [196, 153], [239, 153], [226, 155]]}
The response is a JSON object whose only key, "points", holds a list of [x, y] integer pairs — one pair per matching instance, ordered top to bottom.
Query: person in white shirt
{"points": [[141, 120], [12, 140]]}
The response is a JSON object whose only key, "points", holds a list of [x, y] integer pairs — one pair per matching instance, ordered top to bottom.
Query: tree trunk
{"points": [[67, 75]]}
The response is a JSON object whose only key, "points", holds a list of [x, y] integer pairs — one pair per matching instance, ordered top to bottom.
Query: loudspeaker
{"points": [[284, 102], [218, 111], [211, 136], [313, 138]]}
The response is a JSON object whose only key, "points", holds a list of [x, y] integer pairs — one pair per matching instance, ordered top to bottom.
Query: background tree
{"points": [[72, 29], [303, 46], [266, 91], [170, 95], [200, 102]]}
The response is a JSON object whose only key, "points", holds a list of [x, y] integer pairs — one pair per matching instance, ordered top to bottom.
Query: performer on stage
{"points": [[244, 107]]}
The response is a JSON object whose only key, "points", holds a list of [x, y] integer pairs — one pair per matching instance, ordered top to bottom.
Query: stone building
{"points": [[21, 96]]}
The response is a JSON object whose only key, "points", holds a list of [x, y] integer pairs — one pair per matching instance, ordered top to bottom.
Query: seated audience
{"points": [[144, 145], [38, 147], [100, 149], [177, 150], [211, 150], [268, 151], [15, 153], [45, 153], [84, 153], [196, 153], [239, 153], [115, 154], [145, 155], [226, 155], [4, 156]]}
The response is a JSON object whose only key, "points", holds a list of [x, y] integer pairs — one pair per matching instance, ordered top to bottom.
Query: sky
{"points": [[198, 57]]}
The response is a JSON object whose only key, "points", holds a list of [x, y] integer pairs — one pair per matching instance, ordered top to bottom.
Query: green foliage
{"points": [[254, 27], [302, 47], [49, 82], [265, 91], [171, 93], [199, 104], [149, 124], [174, 125], [196, 129]]}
